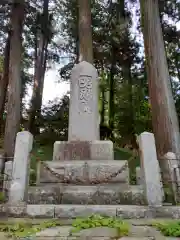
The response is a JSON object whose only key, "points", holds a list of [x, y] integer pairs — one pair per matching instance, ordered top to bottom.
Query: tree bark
{"points": [[85, 32], [40, 68], [4, 82], [111, 90], [14, 93], [164, 116]]}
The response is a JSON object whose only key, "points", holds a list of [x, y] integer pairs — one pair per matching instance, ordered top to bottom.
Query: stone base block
{"points": [[83, 150], [83, 172], [90, 194]]}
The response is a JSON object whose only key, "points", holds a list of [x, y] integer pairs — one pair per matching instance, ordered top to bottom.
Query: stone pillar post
{"points": [[21, 168], [150, 169]]}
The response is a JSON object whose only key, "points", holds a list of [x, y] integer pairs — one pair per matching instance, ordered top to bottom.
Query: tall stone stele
{"points": [[83, 132]]}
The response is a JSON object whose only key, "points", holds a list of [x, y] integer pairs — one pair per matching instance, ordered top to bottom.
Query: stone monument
{"points": [[83, 111], [83, 133]]}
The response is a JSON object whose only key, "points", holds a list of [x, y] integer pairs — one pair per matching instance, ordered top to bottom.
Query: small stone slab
{"points": [[75, 150], [83, 150], [40, 211], [74, 211], [144, 231], [49, 232], [97, 232], [3, 236], [134, 238]]}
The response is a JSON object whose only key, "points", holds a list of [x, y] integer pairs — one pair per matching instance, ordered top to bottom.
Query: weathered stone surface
{"points": [[83, 110], [74, 150], [83, 150], [101, 150], [21, 166], [150, 169], [85, 172], [172, 174], [7, 176], [139, 176], [77, 194], [108, 194], [44, 195], [18, 209], [40, 211], [73, 211], [128, 212], [167, 212], [144, 231], [55, 232], [98, 232], [104, 233], [3, 236], [134, 238]]}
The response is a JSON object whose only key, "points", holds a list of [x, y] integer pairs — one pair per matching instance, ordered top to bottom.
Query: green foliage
{"points": [[54, 121], [40, 152], [134, 161], [2, 197], [100, 221], [171, 228], [26, 229]]}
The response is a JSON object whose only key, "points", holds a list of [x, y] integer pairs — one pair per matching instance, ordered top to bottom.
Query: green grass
{"points": [[100, 221], [168, 228], [20, 230]]}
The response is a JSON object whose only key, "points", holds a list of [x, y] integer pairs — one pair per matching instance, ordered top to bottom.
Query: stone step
{"points": [[83, 172], [92, 194], [68, 211]]}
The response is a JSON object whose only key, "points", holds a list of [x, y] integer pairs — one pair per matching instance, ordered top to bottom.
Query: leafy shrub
{"points": [[2, 197], [99, 221], [171, 229], [21, 230]]}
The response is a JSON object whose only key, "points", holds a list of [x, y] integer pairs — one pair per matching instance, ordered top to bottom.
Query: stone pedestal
{"points": [[83, 150]]}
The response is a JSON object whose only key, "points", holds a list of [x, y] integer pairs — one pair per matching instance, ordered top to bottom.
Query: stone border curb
{"points": [[73, 211]]}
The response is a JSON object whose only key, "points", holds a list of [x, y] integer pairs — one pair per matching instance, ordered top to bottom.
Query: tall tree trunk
{"points": [[85, 31], [40, 65], [126, 71], [4, 82], [111, 91], [14, 93], [102, 106], [164, 116]]}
